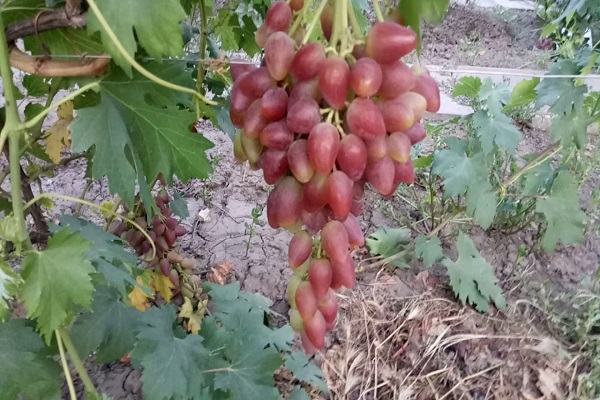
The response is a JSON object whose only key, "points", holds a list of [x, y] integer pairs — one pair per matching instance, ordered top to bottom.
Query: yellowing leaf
{"points": [[65, 111], [58, 135], [163, 285], [138, 298], [194, 317]]}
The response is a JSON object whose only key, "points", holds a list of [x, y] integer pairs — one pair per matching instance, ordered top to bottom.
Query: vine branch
{"points": [[48, 21]]}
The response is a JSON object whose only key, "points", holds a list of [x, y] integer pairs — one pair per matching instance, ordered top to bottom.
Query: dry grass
{"points": [[429, 347]]}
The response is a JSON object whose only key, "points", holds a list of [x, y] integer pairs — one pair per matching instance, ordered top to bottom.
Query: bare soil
{"points": [[470, 35]]}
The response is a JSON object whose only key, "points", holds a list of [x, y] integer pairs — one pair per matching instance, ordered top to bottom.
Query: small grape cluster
{"points": [[322, 122], [164, 231]]}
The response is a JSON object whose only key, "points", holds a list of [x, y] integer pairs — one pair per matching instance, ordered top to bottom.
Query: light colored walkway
{"points": [[511, 4]]}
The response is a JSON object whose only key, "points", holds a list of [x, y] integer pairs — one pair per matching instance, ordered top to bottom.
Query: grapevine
{"points": [[321, 121]]}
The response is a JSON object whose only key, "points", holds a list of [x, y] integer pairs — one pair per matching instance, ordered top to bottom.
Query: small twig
{"points": [[48, 21], [63, 361], [79, 367]]}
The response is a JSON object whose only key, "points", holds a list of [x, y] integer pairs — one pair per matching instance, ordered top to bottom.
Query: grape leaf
{"points": [[433, 11], [157, 30], [63, 41], [35, 86], [467, 86], [523, 93], [562, 95], [494, 97], [571, 128], [137, 129], [498, 129], [58, 135], [458, 169], [539, 179], [481, 203], [179, 206], [566, 221], [387, 242], [429, 249], [107, 253], [472, 277], [56, 280], [8, 285], [163, 285], [139, 297], [244, 313], [108, 328], [167, 358], [24, 368], [249, 369], [305, 371], [297, 393]]}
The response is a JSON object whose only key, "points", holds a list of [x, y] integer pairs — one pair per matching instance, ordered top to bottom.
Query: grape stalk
{"points": [[321, 120]]}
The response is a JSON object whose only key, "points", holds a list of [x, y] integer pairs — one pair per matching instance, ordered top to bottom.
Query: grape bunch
{"points": [[322, 121], [164, 232]]}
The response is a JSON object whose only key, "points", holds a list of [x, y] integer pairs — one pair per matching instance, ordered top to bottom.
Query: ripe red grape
{"points": [[279, 17], [389, 41], [279, 53], [308, 61], [366, 77], [398, 79], [334, 81], [274, 103], [303, 115], [364, 119], [277, 136], [323, 146], [399, 147], [352, 156], [298, 161], [274, 164], [339, 193], [284, 204], [334, 238], [299, 249], [319, 276], [306, 301], [314, 329]]}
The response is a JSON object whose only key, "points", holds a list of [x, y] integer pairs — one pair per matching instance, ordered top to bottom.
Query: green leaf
{"points": [[433, 11], [411, 14], [155, 25], [63, 41], [35, 86], [467, 86], [523, 93], [561, 94], [494, 97], [31, 110], [224, 121], [571, 128], [137, 129], [498, 129], [423, 162], [457, 169], [539, 179], [481, 203], [179, 205], [566, 221], [387, 242], [429, 249], [107, 253], [472, 277], [57, 280], [9, 282], [109, 328], [168, 360], [24, 368], [249, 369], [305, 371], [297, 393]]}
